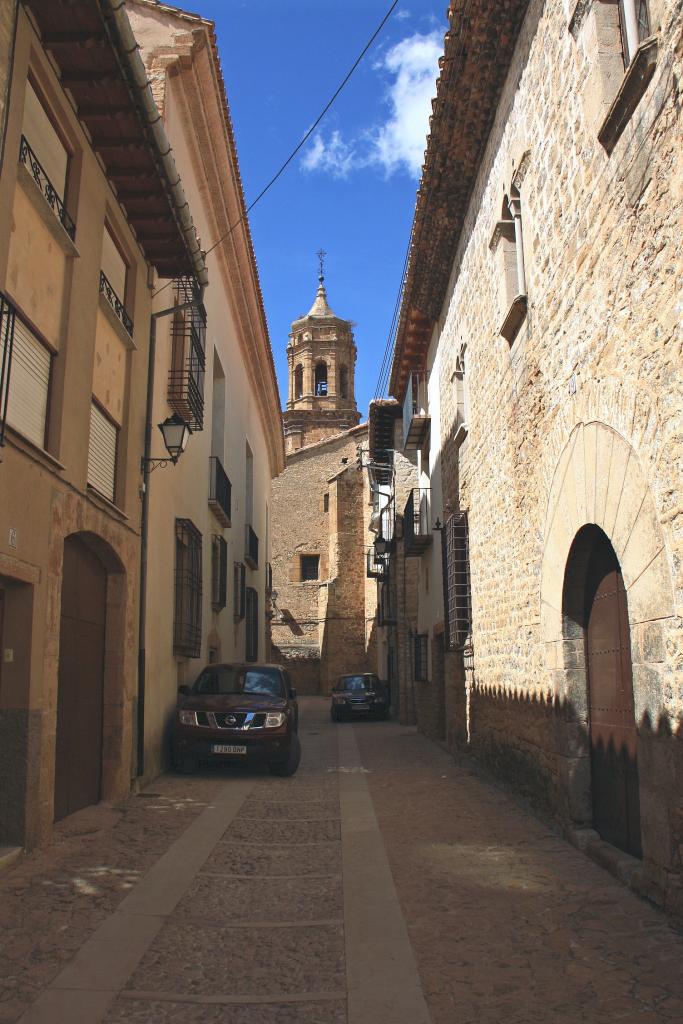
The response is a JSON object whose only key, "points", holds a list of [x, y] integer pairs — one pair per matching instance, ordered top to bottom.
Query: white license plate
{"points": [[227, 748]]}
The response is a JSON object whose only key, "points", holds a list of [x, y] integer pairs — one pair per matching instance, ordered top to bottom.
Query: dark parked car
{"points": [[360, 694], [238, 714]]}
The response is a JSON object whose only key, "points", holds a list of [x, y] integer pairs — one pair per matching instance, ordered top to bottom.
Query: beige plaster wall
{"points": [[182, 491], [43, 492]]}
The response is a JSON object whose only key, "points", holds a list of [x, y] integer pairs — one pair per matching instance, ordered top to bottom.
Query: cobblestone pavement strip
{"points": [[380, 859], [507, 920]]}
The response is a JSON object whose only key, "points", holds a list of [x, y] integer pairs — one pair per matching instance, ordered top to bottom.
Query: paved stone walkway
{"points": [[381, 885]]}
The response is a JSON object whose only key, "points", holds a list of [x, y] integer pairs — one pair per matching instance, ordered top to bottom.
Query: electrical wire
{"points": [[304, 140]]}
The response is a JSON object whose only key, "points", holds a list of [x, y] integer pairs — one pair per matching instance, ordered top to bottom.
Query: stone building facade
{"points": [[543, 307], [322, 359], [323, 614]]}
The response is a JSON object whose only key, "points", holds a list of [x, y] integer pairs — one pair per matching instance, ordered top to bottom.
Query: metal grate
{"points": [[29, 159], [115, 303], [6, 348], [186, 376], [220, 491], [455, 552], [310, 567], [219, 572], [239, 581], [187, 623], [251, 653], [420, 662]]}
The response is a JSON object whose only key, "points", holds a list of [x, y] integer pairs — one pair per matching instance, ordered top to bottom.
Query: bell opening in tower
{"points": [[321, 380]]}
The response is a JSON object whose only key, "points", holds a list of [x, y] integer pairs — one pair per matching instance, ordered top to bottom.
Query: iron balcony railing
{"points": [[29, 159], [115, 303], [188, 360], [415, 411], [220, 491], [387, 525], [417, 527], [251, 547], [377, 567]]}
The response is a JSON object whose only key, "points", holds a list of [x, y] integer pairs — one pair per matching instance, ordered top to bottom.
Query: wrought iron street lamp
{"points": [[175, 432]]}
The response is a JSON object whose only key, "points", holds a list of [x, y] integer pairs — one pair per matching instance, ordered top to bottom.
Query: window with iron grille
{"points": [[634, 21], [186, 376], [310, 567], [219, 572], [456, 580], [239, 582], [187, 623], [251, 653], [420, 669]]}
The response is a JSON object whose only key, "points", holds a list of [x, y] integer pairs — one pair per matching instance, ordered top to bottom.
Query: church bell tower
{"points": [[322, 361]]}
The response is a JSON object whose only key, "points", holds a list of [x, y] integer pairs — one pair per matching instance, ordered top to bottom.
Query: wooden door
{"points": [[613, 736], [78, 761]]}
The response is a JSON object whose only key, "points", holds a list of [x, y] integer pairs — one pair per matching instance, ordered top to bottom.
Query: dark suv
{"points": [[360, 694], [239, 714]]}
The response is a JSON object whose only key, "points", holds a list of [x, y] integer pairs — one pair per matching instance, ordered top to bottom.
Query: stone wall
{"points": [[577, 421], [321, 506]]}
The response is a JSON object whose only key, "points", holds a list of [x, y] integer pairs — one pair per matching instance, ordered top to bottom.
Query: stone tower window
{"points": [[507, 244], [321, 380], [299, 381], [344, 382], [310, 568]]}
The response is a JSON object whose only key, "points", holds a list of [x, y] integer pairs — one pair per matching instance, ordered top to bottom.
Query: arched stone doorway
{"points": [[595, 610], [89, 684]]}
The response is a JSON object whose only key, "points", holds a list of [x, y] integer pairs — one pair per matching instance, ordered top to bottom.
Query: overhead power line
{"points": [[305, 138]]}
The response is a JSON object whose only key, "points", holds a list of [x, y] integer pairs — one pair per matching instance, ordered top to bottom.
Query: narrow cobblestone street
{"points": [[382, 884]]}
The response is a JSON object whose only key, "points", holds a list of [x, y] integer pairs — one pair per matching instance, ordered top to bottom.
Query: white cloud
{"points": [[399, 142], [334, 156]]}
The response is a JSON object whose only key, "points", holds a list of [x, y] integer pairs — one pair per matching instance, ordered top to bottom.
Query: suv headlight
{"points": [[187, 717], [275, 719]]}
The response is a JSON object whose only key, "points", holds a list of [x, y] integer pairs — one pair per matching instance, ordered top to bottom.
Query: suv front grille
{"points": [[239, 720]]}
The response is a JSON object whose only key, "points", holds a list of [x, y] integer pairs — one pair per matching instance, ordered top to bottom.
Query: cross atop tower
{"points": [[321, 254]]}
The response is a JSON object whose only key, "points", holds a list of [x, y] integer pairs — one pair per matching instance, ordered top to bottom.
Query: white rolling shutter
{"points": [[29, 384], [102, 453]]}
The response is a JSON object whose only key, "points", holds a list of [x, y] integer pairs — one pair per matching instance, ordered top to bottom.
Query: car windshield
{"points": [[224, 679], [356, 684]]}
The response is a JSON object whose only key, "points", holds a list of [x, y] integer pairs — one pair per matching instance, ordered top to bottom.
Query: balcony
{"points": [[29, 159], [115, 302], [188, 361], [415, 412], [220, 491], [417, 526], [251, 547], [377, 567]]}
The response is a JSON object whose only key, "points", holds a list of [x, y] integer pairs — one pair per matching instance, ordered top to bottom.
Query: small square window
{"points": [[310, 565]]}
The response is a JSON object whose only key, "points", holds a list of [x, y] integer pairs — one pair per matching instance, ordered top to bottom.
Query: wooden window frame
{"points": [[187, 619]]}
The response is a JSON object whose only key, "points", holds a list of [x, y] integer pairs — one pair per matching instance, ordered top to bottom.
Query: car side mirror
{"points": [[184, 690], [292, 693]]}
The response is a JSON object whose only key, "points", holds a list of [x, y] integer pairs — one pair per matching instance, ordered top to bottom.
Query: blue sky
{"points": [[352, 189]]}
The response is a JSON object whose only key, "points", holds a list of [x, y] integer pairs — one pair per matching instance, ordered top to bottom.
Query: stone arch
{"points": [[321, 379], [598, 480]]}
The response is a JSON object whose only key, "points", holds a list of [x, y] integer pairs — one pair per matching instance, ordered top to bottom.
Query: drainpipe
{"points": [[144, 524]]}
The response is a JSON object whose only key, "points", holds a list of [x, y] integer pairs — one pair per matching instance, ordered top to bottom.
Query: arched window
{"points": [[321, 380], [298, 381], [344, 382]]}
